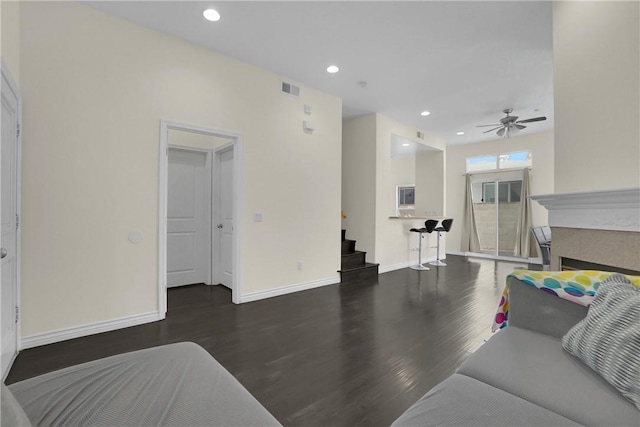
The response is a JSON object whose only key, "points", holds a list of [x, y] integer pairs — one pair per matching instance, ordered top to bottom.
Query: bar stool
{"points": [[429, 226], [446, 226]]}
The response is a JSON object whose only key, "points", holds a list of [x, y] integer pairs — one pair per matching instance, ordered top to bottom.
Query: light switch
{"points": [[307, 125], [257, 217], [135, 236]]}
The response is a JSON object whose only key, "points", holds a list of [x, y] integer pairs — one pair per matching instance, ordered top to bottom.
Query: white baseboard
{"points": [[460, 253], [499, 258], [400, 266], [258, 295], [50, 337]]}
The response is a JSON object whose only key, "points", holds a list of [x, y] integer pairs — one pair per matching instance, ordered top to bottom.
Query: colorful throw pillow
{"points": [[608, 338]]}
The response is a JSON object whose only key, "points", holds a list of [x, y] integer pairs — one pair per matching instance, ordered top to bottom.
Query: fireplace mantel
{"points": [[615, 210]]}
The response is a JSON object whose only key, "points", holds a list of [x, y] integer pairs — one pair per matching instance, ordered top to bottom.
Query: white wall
{"points": [[10, 35], [95, 88], [596, 92], [542, 175], [359, 182], [393, 239]]}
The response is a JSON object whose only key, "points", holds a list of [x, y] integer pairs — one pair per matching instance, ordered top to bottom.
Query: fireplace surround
{"points": [[597, 227]]}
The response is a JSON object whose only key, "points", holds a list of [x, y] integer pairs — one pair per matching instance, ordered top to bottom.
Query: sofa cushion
{"points": [[528, 303], [608, 339], [534, 367], [172, 385], [463, 401], [10, 410]]}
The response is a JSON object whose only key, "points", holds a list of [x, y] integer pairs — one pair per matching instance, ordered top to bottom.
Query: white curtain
{"points": [[523, 229], [470, 241]]}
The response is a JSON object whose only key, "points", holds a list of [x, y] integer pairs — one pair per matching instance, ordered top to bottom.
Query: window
{"points": [[519, 159], [486, 163], [488, 192], [508, 192], [406, 196]]}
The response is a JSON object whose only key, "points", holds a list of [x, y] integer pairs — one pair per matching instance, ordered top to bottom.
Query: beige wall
{"points": [[10, 35], [94, 89], [596, 92], [542, 175], [359, 182], [430, 183], [393, 239]]}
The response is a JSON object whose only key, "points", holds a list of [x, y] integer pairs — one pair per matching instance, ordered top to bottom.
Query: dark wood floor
{"points": [[343, 355]]}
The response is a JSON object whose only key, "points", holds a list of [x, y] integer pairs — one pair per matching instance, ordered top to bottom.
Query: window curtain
{"points": [[523, 229], [470, 240]]}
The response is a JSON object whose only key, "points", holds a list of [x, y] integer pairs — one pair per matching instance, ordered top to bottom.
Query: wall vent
{"points": [[290, 89], [420, 135]]}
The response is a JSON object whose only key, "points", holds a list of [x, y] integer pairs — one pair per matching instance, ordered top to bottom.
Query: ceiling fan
{"points": [[510, 125]]}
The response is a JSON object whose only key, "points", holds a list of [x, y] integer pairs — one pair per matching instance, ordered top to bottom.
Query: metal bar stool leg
{"points": [[446, 226], [437, 262], [419, 266]]}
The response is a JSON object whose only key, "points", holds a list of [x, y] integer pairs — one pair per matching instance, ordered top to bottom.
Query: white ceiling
{"points": [[463, 61]]}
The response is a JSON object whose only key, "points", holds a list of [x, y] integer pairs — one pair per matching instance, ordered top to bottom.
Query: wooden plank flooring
{"points": [[342, 355]]}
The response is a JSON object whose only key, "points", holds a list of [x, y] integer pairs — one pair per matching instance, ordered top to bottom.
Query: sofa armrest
{"points": [[539, 311]]}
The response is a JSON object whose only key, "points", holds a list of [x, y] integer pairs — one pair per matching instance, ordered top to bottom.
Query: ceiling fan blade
{"points": [[536, 119], [484, 126], [518, 126], [491, 130], [501, 131]]}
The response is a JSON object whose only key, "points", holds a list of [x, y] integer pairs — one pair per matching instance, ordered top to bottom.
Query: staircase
{"points": [[353, 266]]}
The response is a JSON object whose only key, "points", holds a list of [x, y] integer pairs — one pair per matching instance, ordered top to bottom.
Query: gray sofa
{"points": [[523, 377], [172, 385]]}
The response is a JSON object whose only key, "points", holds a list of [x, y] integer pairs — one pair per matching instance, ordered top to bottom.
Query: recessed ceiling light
{"points": [[211, 15], [332, 69], [425, 113], [459, 133], [405, 145]]}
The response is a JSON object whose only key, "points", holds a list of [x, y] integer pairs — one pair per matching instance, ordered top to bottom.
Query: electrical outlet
{"points": [[299, 265]]}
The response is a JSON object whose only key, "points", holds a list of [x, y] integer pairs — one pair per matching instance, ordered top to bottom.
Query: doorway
{"points": [[206, 164], [496, 204], [10, 219], [189, 236]]}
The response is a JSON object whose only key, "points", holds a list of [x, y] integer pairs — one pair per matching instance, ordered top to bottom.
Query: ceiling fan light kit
{"points": [[510, 125]]}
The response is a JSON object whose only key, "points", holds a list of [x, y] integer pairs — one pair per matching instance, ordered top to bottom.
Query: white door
{"points": [[224, 207], [9, 212], [188, 218]]}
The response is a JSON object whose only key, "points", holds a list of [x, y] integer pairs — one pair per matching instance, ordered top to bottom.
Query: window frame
{"points": [[497, 160], [496, 191], [405, 206]]}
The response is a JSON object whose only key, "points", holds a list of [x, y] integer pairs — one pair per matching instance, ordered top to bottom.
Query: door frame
{"points": [[12, 86], [163, 166], [209, 179], [496, 180]]}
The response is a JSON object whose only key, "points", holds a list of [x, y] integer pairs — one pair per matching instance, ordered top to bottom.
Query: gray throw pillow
{"points": [[608, 338]]}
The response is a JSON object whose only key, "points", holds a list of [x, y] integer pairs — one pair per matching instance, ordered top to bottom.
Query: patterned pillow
{"points": [[608, 338]]}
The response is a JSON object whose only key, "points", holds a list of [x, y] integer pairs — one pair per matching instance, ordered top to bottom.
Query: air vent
{"points": [[290, 89], [420, 135]]}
